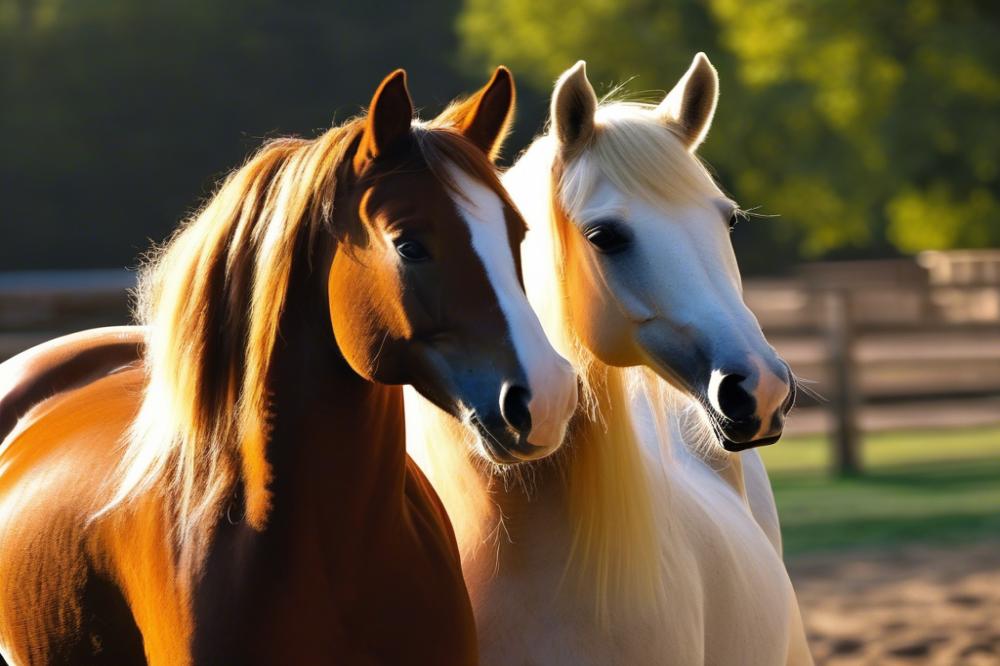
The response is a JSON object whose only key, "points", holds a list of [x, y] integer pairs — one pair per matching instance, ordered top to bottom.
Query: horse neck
{"points": [[666, 416], [337, 442], [603, 461], [482, 502], [530, 503], [598, 512], [338, 521]]}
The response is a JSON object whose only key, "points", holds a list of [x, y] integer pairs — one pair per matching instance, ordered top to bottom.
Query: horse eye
{"points": [[607, 238], [412, 250]]}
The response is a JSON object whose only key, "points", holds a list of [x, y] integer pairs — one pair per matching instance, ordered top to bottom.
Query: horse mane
{"points": [[642, 155], [212, 301], [617, 508], [614, 561]]}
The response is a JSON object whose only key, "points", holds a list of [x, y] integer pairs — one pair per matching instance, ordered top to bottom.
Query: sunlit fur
{"points": [[643, 157], [212, 301], [195, 414], [203, 419], [636, 521], [619, 541], [57, 545], [616, 545], [615, 562]]}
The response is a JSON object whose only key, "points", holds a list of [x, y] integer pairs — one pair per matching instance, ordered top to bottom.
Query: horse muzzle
{"points": [[748, 405]]}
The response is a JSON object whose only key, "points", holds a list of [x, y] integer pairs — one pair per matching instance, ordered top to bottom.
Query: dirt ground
{"points": [[919, 605]]}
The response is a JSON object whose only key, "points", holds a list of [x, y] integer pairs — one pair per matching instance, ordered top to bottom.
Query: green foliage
{"points": [[864, 125], [868, 127]]}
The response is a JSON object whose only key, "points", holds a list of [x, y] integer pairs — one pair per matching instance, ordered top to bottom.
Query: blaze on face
{"points": [[429, 292]]}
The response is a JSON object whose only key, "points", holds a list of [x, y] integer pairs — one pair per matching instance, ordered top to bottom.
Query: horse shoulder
{"points": [[52, 472], [425, 500], [422, 542]]}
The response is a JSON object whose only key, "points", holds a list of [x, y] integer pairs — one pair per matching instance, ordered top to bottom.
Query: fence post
{"points": [[844, 394]]}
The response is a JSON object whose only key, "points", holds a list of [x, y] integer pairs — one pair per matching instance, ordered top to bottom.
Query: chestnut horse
{"points": [[244, 496], [654, 538]]}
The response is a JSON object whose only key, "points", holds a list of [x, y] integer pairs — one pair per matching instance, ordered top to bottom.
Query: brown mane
{"points": [[212, 300]]}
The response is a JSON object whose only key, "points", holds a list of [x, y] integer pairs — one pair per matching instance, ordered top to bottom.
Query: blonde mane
{"points": [[642, 155], [211, 302], [616, 502], [616, 507], [643, 550]]}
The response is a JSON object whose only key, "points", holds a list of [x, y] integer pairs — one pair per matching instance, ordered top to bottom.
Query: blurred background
{"points": [[864, 136]]}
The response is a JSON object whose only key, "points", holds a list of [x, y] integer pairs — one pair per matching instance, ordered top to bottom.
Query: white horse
{"points": [[652, 540]]}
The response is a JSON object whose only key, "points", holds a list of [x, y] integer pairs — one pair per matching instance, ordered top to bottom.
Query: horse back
{"points": [[61, 365]]}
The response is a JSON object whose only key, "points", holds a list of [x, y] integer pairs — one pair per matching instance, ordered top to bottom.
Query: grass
{"points": [[930, 486]]}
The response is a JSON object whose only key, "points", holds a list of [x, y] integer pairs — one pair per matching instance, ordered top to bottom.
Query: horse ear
{"points": [[574, 104], [690, 106], [389, 117], [485, 118]]}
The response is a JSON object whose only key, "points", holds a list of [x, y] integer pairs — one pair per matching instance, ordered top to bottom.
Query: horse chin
{"points": [[736, 436], [504, 447], [736, 447], [496, 453]]}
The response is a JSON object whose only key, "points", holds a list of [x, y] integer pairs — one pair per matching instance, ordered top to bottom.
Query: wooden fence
{"points": [[923, 333], [866, 334]]}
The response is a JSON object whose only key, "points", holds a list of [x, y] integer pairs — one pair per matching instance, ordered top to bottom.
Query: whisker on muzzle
{"points": [[802, 384]]}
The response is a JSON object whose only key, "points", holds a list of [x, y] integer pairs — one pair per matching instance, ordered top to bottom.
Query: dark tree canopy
{"points": [[119, 115], [867, 128]]}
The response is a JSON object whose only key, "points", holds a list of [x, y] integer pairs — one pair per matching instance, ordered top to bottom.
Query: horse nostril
{"points": [[735, 402], [514, 407]]}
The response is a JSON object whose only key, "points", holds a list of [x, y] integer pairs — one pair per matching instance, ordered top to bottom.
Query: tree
{"points": [[869, 127]]}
